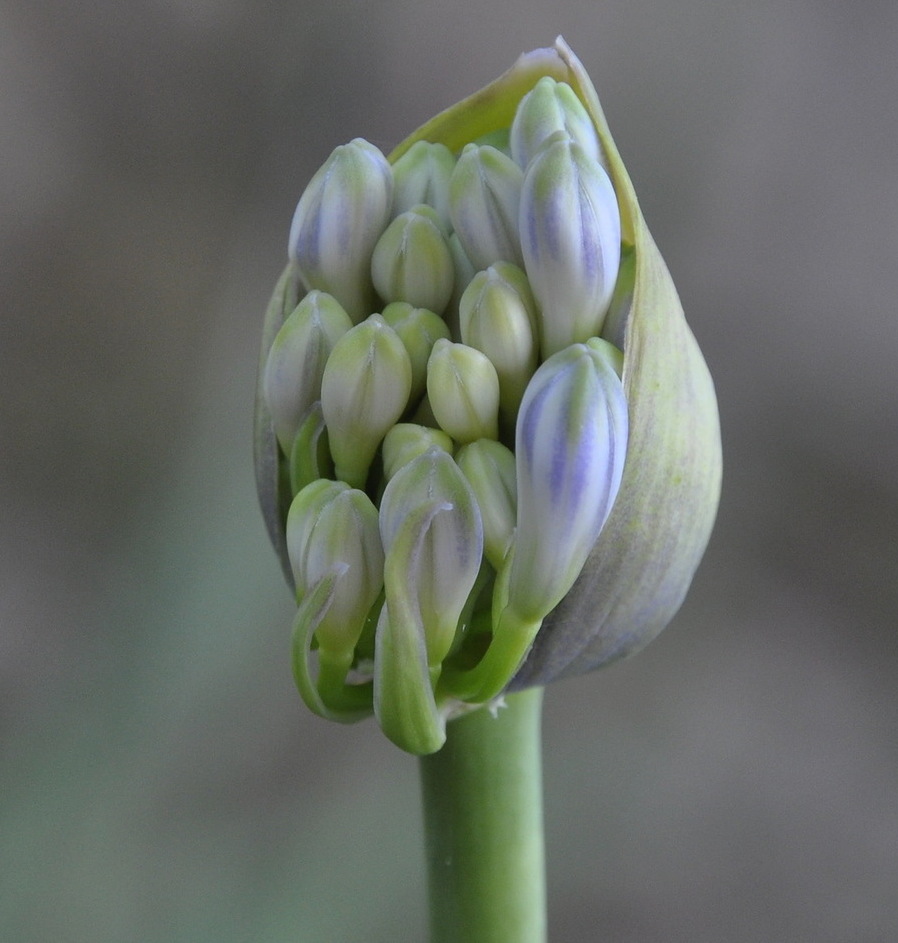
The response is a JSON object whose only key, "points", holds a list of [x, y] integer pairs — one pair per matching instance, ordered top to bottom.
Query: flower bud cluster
{"points": [[452, 426]]}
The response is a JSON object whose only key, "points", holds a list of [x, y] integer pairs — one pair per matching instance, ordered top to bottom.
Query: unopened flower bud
{"points": [[551, 106], [422, 175], [484, 200], [338, 221], [570, 233], [411, 261], [498, 316], [419, 329], [607, 350], [291, 380], [463, 390], [364, 391], [406, 441], [571, 443], [489, 467], [331, 525], [433, 537], [445, 551], [337, 557]]}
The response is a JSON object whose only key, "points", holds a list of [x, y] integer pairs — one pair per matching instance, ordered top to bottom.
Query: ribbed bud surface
{"points": [[550, 107], [484, 199], [337, 222], [570, 233], [411, 261], [364, 391], [570, 444]]}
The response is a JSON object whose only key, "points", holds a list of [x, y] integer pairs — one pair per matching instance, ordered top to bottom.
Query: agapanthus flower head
{"points": [[487, 444]]}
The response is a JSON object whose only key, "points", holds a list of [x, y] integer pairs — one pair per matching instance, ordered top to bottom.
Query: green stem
{"points": [[483, 827]]}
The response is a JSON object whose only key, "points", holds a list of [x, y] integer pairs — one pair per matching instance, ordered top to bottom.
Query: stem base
{"points": [[482, 796]]}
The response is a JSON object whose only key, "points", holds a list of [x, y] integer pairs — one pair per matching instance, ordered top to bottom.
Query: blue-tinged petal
{"points": [[551, 107], [484, 196], [337, 222], [571, 241], [291, 379], [570, 447], [443, 548]]}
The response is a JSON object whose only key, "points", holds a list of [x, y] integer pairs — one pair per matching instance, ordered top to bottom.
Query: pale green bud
{"points": [[550, 107], [422, 175], [484, 201], [338, 221], [570, 235], [411, 261], [498, 316], [419, 329], [614, 355], [291, 380], [463, 390], [364, 391], [406, 441], [570, 446], [489, 467], [332, 528], [432, 533], [445, 544]]}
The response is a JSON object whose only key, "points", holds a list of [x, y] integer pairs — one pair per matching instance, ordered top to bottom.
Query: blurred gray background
{"points": [[160, 780]]}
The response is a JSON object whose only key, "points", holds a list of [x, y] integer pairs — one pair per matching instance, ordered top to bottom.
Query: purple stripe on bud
{"points": [[340, 217], [570, 237], [571, 445]]}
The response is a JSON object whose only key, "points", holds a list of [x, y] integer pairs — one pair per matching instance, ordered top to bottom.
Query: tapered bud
{"points": [[550, 107], [422, 175], [484, 200], [338, 221], [570, 234], [411, 261], [498, 316], [419, 329], [607, 350], [291, 381], [463, 390], [364, 391], [406, 441], [570, 444], [489, 467], [332, 528], [431, 531], [445, 546]]}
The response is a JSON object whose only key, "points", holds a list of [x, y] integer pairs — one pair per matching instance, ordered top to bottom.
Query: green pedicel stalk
{"points": [[482, 797]]}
